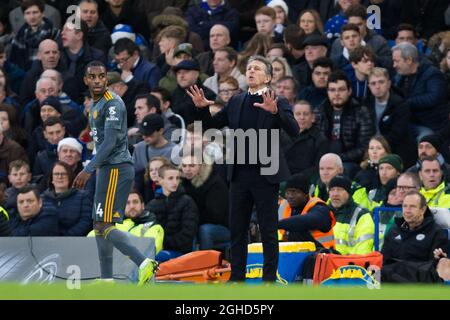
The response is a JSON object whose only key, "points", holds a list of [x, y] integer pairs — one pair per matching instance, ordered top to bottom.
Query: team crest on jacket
{"points": [[95, 114], [420, 237]]}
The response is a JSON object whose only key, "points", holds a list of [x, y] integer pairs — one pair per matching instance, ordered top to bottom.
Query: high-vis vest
{"points": [[438, 197], [4, 212], [355, 237], [325, 238]]}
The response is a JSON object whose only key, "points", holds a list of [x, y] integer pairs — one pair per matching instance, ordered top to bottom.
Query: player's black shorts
{"points": [[112, 188]]}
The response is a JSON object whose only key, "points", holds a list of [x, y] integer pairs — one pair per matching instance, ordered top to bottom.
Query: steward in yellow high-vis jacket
{"points": [[434, 188], [140, 222], [354, 229]]}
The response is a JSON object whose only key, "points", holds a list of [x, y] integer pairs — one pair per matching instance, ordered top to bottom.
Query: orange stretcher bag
{"points": [[327, 263], [197, 266]]}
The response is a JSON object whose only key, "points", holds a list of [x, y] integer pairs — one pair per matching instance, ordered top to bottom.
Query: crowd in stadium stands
{"points": [[372, 102]]}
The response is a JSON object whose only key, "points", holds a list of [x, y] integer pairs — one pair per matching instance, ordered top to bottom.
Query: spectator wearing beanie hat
{"points": [[430, 146], [389, 167], [305, 218], [354, 229]]}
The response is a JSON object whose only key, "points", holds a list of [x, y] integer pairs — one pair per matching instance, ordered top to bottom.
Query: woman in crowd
{"points": [[310, 22], [280, 69], [368, 175], [74, 207]]}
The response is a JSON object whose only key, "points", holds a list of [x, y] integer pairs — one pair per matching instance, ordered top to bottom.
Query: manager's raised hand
{"points": [[198, 97], [269, 102]]}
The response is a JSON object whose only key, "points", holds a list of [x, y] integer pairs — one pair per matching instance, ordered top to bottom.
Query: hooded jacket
{"points": [[210, 194], [178, 215]]}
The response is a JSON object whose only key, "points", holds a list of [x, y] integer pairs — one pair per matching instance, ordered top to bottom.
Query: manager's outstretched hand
{"points": [[198, 97], [269, 102]]}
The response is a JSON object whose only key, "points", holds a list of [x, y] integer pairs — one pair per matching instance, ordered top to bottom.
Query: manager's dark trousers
{"points": [[247, 188]]}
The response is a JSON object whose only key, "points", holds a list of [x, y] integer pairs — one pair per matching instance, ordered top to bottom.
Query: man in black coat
{"points": [[98, 35], [391, 115], [345, 123], [304, 152], [253, 183], [409, 246]]}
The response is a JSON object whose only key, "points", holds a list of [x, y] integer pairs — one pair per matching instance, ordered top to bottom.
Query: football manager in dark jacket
{"points": [[260, 114], [411, 247]]}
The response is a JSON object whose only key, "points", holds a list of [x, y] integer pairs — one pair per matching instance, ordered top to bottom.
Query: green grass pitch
{"points": [[166, 291]]}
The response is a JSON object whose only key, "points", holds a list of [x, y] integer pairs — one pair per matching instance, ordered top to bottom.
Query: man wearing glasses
{"points": [[133, 65]]}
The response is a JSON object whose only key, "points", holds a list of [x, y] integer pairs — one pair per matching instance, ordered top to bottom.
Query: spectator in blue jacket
{"points": [[207, 13], [133, 64], [425, 89], [73, 206], [33, 218]]}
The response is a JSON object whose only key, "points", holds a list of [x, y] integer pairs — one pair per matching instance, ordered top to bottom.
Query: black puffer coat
{"points": [[356, 128], [178, 215]]}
